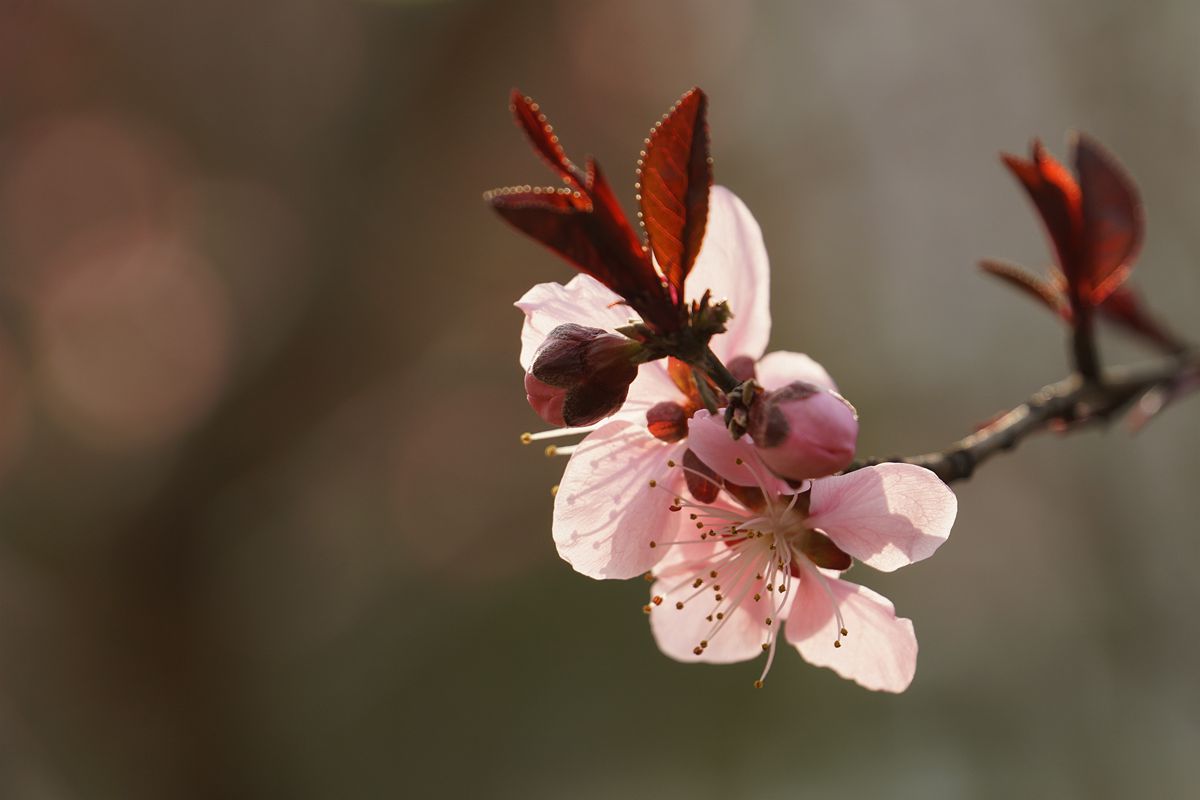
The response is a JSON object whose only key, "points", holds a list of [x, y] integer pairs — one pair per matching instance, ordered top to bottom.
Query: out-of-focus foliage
{"points": [[265, 526]]}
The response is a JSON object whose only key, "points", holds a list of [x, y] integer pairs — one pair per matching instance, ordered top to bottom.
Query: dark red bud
{"points": [[590, 368], [667, 421]]}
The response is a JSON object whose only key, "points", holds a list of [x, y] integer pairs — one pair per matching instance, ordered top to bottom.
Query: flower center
{"points": [[745, 563]]}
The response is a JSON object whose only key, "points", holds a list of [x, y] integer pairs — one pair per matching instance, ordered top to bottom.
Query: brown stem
{"points": [[1083, 344], [716, 370], [1071, 403]]}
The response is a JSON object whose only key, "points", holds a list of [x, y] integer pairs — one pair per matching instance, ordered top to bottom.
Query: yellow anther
{"points": [[526, 438], [551, 450], [653, 483], [554, 490], [657, 599], [679, 605], [646, 608], [844, 632], [837, 643], [766, 645], [758, 684]]}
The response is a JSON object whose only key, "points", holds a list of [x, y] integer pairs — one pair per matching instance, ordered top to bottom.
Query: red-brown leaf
{"points": [[540, 132], [675, 176], [1056, 197], [1112, 218], [558, 219], [594, 240], [640, 285], [1042, 291], [1124, 307]]}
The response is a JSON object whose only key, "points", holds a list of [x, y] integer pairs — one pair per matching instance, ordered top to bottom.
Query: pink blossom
{"points": [[603, 518], [763, 559]]}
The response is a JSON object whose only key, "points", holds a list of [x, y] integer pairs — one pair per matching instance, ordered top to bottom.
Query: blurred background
{"points": [[266, 529]]}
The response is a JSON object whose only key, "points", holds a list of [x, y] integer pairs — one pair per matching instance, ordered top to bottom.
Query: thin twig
{"points": [[1067, 405]]}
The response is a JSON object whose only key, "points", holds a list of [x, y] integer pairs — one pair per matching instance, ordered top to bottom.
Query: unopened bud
{"points": [[580, 375], [546, 400], [667, 421], [803, 431]]}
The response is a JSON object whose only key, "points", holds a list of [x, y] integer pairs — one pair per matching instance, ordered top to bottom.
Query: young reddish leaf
{"points": [[540, 133], [675, 176], [1056, 197], [1112, 218], [557, 219], [592, 239], [640, 285], [1042, 291], [1124, 307]]}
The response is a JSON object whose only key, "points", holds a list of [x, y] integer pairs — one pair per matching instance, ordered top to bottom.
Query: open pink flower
{"points": [[603, 518], [762, 558]]}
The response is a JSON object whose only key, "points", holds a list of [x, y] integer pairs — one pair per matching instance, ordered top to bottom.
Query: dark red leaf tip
{"points": [[537, 128], [673, 180], [1113, 224]]}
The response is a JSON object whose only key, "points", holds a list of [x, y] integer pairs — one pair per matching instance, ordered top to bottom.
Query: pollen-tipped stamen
{"points": [[555, 433]]}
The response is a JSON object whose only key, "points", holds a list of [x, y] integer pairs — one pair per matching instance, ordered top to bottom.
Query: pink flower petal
{"points": [[733, 264], [584, 301], [779, 368], [653, 385], [735, 461], [606, 513], [885, 516], [678, 632], [879, 651]]}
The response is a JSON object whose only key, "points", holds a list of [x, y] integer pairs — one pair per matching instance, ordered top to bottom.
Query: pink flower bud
{"points": [[580, 375], [545, 399], [803, 431]]}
